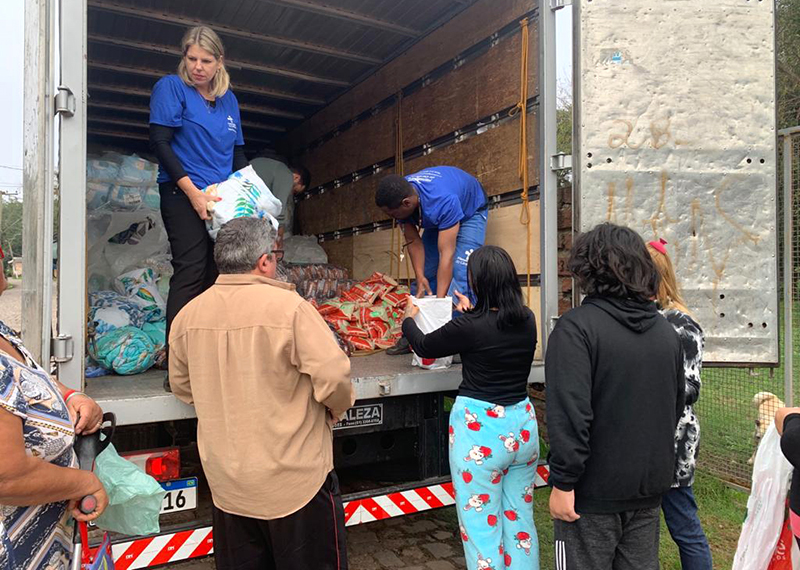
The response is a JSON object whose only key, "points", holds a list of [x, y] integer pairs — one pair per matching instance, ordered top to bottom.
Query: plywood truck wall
{"points": [[459, 85]]}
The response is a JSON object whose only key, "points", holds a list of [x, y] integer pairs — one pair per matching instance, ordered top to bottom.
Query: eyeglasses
{"points": [[278, 253]]}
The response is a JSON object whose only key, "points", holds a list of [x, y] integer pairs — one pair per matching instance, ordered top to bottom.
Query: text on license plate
{"points": [[181, 495]]}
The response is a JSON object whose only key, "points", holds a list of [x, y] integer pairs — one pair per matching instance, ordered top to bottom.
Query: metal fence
{"points": [[736, 405]]}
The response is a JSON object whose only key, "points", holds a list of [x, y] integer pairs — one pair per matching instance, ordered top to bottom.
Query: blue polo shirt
{"points": [[204, 136], [447, 196]]}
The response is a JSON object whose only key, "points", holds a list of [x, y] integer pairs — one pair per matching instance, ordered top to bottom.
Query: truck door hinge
{"points": [[65, 101], [560, 161], [62, 348]]}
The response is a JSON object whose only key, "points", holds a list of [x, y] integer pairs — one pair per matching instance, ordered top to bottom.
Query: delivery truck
{"points": [[352, 91], [673, 129]]}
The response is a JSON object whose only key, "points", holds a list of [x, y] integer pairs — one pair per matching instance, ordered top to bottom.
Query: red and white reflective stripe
{"points": [[398, 504], [168, 548], [162, 549]]}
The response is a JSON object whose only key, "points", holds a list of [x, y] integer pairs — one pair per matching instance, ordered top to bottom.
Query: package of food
{"points": [[395, 299], [338, 309], [372, 313], [349, 329], [377, 329], [360, 344]]}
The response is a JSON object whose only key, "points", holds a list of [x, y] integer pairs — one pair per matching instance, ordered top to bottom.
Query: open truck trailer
{"points": [[351, 89], [674, 135]]}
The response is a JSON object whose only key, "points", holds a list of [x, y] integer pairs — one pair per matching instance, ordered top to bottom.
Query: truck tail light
{"points": [[161, 464]]}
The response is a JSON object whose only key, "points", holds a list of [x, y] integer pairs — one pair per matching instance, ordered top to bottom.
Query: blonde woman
{"points": [[195, 131], [678, 504]]}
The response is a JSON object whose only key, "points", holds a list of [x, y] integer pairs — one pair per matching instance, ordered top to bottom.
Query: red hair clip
{"points": [[659, 245]]}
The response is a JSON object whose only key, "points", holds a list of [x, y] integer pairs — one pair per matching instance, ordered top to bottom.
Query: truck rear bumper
{"points": [[141, 399]]}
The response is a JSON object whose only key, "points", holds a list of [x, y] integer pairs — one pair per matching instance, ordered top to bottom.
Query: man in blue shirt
{"points": [[450, 207]]}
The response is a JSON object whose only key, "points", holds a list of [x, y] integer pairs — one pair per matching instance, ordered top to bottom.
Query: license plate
{"points": [[181, 495]]}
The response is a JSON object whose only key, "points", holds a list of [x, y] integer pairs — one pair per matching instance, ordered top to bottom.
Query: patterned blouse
{"points": [[687, 434], [37, 537]]}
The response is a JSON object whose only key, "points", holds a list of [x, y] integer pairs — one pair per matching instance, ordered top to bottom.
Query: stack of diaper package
{"points": [[128, 266]]}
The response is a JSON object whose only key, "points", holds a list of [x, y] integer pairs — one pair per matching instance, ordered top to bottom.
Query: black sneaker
{"points": [[402, 347], [167, 387]]}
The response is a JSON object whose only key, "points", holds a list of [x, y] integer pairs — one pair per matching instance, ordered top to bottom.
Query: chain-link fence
{"points": [[737, 405]]}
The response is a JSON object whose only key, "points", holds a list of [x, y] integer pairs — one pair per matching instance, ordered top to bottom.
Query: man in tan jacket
{"points": [[268, 381]]}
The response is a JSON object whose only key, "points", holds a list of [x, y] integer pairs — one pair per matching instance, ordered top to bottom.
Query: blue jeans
{"points": [[471, 236], [680, 513]]}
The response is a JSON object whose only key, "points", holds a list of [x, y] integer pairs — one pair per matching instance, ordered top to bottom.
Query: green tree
{"points": [[788, 61], [11, 228]]}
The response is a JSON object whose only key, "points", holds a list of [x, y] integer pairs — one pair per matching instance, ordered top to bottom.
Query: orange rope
{"points": [[521, 108], [399, 168]]}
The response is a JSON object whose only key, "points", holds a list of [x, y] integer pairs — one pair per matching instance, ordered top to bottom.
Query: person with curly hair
{"points": [[615, 391]]}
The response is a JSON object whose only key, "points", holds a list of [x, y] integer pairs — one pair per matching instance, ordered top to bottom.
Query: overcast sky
{"points": [[11, 46], [11, 69]]}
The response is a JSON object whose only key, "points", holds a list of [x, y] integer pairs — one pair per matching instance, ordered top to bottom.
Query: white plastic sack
{"points": [[244, 195], [122, 241], [303, 250], [434, 313], [765, 508]]}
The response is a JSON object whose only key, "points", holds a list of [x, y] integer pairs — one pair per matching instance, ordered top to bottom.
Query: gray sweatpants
{"points": [[620, 541]]}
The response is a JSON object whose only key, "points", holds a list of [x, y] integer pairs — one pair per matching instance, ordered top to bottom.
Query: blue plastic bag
{"points": [[134, 497]]}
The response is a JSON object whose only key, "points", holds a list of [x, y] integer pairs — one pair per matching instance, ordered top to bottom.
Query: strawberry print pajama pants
{"points": [[493, 455]]}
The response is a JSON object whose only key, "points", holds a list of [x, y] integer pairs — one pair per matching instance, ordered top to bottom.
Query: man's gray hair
{"points": [[241, 242]]}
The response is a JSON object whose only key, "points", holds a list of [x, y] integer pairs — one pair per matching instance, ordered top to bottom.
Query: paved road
{"points": [[11, 305], [427, 541]]}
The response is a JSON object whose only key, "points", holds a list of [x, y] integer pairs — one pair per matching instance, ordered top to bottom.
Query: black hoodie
{"points": [[615, 391]]}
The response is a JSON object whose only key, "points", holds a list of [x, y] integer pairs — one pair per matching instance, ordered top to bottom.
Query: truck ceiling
{"points": [[287, 58]]}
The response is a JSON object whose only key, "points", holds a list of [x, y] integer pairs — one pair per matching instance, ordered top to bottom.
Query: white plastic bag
{"points": [[244, 195], [120, 242], [303, 250], [433, 314], [765, 507]]}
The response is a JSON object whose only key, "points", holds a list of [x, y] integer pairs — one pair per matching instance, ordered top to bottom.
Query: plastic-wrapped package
{"points": [[102, 169], [136, 171], [97, 194], [244, 195], [125, 197], [152, 198], [126, 351]]}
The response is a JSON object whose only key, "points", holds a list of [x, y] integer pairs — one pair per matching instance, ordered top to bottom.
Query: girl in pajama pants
{"points": [[494, 440], [493, 455]]}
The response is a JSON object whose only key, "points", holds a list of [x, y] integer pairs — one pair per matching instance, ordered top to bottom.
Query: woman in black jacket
{"points": [[494, 438]]}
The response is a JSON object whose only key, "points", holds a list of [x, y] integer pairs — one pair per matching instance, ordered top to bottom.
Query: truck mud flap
{"points": [[183, 545]]}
